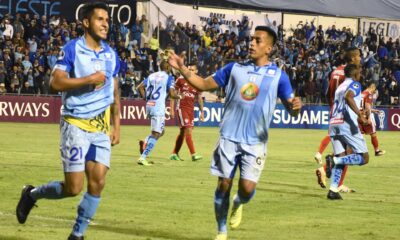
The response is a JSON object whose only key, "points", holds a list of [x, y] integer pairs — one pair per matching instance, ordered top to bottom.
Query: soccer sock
{"points": [[374, 141], [189, 142], [151, 143], [178, 143], [324, 143], [351, 159], [343, 175], [335, 178], [52, 190], [242, 200], [221, 208], [86, 210]]}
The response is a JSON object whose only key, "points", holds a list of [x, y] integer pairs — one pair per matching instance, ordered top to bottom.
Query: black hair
{"points": [[87, 10], [270, 32], [349, 53], [192, 64], [349, 70]]}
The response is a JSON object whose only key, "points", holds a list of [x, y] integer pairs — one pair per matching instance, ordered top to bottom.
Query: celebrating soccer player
{"points": [[85, 73], [155, 88], [251, 91], [185, 112], [344, 130]]}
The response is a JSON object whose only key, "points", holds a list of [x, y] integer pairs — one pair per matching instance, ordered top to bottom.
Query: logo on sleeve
{"points": [[61, 55], [249, 91]]}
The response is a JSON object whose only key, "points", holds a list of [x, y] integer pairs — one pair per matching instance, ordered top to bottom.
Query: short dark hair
{"points": [[86, 11], [270, 32], [349, 53], [350, 69]]}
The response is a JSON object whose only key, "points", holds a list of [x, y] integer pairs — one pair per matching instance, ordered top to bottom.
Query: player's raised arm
{"points": [[202, 84]]}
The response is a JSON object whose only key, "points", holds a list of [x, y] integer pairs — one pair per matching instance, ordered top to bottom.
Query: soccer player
{"points": [[352, 56], [86, 74], [155, 89], [251, 91], [367, 108], [185, 112], [344, 130]]}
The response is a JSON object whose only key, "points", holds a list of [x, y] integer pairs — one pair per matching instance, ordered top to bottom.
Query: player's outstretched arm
{"points": [[59, 80], [196, 81], [293, 105], [115, 116]]}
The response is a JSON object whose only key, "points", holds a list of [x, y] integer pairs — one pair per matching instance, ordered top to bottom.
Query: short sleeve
{"points": [[66, 57], [223, 74], [145, 81], [170, 82], [355, 87], [285, 90]]}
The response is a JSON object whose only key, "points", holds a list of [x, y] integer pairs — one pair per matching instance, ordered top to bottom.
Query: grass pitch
{"points": [[174, 200]]}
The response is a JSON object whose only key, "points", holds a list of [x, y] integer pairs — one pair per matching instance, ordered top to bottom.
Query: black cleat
{"points": [[141, 146], [329, 165], [334, 195], [25, 204], [73, 237]]}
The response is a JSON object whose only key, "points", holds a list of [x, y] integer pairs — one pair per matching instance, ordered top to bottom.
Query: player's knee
{"points": [[224, 184], [96, 186], [72, 190]]}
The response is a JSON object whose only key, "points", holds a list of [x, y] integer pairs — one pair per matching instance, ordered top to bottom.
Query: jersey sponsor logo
{"points": [[249, 91]]}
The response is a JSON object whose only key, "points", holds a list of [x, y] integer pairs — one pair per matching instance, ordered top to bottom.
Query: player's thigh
{"points": [[185, 117], [157, 124], [356, 142], [338, 144], [225, 159], [252, 161], [73, 183]]}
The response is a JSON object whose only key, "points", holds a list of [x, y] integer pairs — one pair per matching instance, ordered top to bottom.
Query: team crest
{"points": [[249, 91]]}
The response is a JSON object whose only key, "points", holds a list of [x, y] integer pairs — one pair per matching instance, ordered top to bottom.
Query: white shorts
{"points": [[157, 123], [355, 142], [78, 146], [228, 155]]}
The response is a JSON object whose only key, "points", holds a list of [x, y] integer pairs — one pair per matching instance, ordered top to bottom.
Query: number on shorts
{"points": [[74, 153]]}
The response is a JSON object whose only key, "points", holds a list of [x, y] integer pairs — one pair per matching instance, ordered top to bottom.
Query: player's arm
{"points": [[59, 80], [201, 84], [140, 88], [285, 93], [174, 94], [201, 105], [172, 108], [367, 110], [115, 115]]}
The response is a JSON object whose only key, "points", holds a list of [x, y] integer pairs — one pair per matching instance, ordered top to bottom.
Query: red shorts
{"points": [[185, 117]]}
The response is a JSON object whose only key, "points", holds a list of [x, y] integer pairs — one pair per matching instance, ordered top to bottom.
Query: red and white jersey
{"points": [[336, 78], [189, 93], [367, 97]]}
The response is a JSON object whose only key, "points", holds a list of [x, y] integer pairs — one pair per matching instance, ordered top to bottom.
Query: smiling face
{"points": [[97, 24]]}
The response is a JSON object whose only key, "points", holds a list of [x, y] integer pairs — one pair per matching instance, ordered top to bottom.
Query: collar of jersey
{"points": [[83, 41]]}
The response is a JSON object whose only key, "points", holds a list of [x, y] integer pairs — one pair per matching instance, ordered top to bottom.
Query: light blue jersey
{"points": [[79, 61], [157, 86], [251, 93], [343, 120]]}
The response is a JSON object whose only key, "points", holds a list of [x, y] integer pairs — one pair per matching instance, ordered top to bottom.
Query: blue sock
{"points": [[151, 143], [351, 159], [335, 177], [52, 190], [242, 200], [221, 208], [86, 210]]}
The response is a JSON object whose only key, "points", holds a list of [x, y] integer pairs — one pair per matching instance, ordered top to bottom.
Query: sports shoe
{"points": [[141, 146], [380, 153], [175, 157], [196, 157], [318, 158], [144, 162], [329, 165], [321, 176], [346, 189], [334, 195], [25, 204], [236, 216], [221, 236], [73, 237]]}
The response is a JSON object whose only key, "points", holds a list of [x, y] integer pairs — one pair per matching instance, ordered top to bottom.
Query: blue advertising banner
{"points": [[120, 10]]}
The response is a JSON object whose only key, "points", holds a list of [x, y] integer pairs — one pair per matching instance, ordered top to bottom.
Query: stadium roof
{"points": [[385, 9]]}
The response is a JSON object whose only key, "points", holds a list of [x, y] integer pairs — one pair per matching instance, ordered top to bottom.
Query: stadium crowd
{"points": [[30, 45]]}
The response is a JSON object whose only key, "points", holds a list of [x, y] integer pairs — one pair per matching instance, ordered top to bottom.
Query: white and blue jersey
{"points": [[80, 61], [157, 86], [251, 93], [343, 121]]}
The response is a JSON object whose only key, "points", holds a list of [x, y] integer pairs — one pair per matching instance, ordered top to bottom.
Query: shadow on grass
{"points": [[136, 231], [2, 237]]}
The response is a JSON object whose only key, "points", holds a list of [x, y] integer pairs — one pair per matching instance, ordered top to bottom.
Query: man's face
{"points": [[98, 24], [260, 45], [356, 58]]}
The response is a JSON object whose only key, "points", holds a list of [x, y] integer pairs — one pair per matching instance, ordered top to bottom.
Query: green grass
{"points": [[174, 200]]}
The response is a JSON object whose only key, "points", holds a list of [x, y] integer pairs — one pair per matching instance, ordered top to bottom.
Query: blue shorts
{"points": [[157, 123], [356, 142], [78, 146], [228, 155]]}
